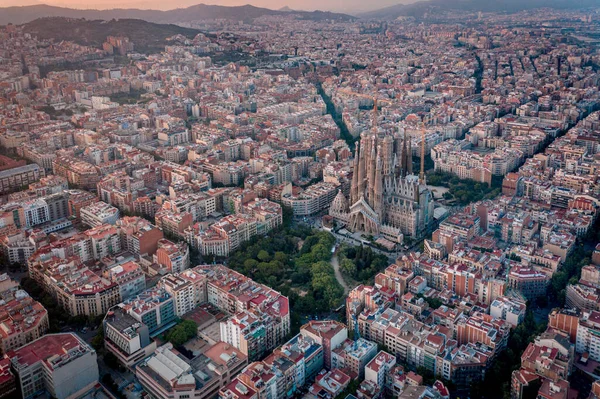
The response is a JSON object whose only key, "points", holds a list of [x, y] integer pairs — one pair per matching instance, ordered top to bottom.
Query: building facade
{"points": [[386, 199]]}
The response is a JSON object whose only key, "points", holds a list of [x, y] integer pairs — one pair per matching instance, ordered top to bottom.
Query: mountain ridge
{"points": [[509, 6], [22, 14], [146, 36]]}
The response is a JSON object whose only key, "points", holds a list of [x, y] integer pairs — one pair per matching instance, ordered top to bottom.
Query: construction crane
{"points": [[375, 101], [422, 174], [356, 330]]}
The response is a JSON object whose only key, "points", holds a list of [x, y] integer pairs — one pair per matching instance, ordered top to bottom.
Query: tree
{"points": [[321, 252], [263, 256], [280, 257], [250, 265], [348, 267], [434, 303], [190, 328], [182, 332], [177, 337], [98, 340]]}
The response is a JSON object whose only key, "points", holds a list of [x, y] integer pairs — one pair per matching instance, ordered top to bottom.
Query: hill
{"points": [[508, 6], [21, 15], [147, 36]]}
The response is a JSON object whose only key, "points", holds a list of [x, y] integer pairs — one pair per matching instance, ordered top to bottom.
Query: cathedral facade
{"points": [[386, 199]]}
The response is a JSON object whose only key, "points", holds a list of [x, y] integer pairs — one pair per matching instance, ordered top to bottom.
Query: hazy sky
{"points": [[333, 5]]}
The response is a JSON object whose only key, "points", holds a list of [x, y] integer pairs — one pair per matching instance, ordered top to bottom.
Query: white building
{"points": [[313, 200], [36, 212], [99, 213], [17, 248], [182, 291], [509, 309], [588, 335], [128, 339], [377, 369]]}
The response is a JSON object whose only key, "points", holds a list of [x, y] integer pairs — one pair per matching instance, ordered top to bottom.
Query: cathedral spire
{"points": [[366, 139], [405, 157], [409, 157], [362, 173], [371, 174], [354, 187], [378, 190]]}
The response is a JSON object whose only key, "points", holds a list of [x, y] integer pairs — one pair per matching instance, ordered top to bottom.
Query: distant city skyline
{"points": [[325, 5]]}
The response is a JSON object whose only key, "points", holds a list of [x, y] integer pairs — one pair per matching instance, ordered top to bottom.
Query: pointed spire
{"points": [[409, 157], [406, 158], [362, 173], [371, 174], [354, 187], [378, 190], [339, 203]]}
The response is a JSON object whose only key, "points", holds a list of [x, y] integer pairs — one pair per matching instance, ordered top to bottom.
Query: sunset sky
{"points": [[333, 5]]}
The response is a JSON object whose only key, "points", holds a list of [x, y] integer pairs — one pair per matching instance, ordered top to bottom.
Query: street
{"points": [[335, 262]]}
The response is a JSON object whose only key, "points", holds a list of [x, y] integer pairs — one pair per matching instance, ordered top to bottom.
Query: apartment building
{"points": [[77, 172], [19, 177], [49, 185], [79, 199], [314, 199], [99, 213], [173, 223], [462, 225], [138, 236], [104, 241], [17, 248], [174, 257], [130, 278], [527, 281], [77, 289], [182, 291], [583, 297], [154, 308], [509, 309], [260, 316], [22, 319], [566, 321], [483, 328], [327, 333], [588, 335], [127, 338], [306, 355], [353, 356], [546, 364], [60, 365], [378, 369], [167, 374], [261, 378], [8, 384], [328, 384], [237, 390]]}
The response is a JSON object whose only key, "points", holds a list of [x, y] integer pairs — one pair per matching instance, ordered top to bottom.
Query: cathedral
{"points": [[386, 198]]}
